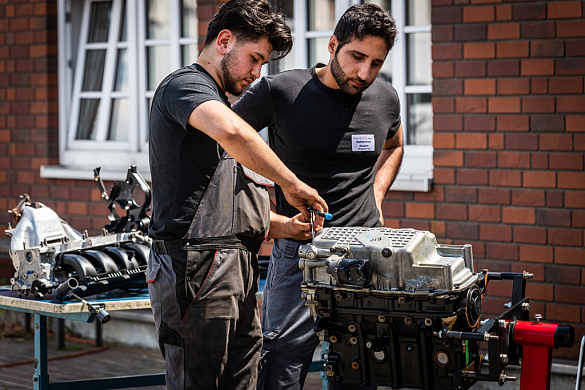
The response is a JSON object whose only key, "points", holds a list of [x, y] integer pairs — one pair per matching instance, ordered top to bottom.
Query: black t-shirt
{"points": [[329, 139], [182, 158]]}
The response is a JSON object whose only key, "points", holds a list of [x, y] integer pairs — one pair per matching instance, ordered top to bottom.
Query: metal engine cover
{"points": [[380, 295]]}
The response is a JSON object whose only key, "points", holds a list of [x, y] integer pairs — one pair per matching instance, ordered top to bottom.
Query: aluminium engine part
{"points": [[47, 253]]}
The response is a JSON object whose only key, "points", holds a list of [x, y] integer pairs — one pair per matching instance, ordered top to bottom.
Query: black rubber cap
{"points": [[564, 336]]}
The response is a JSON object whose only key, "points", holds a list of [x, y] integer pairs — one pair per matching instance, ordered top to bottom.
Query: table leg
{"points": [[60, 333], [41, 376]]}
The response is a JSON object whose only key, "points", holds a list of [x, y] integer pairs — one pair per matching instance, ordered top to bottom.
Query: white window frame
{"points": [[77, 158]]}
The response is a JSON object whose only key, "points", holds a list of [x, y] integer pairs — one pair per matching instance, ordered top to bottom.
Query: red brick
{"points": [[564, 9], [533, 11], [503, 12], [478, 14], [446, 15], [571, 29], [503, 31], [471, 32], [442, 34], [575, 47], [512, 49], [547, 49], [448, 51], [475, 51], [570, 66], [537, 67], [443, 69], [470, 69], [539, 85], [565, 85], [519, 86], [447, 87], [480, 87], [468, 104], [538, 104], [571, 104], [443, 105], [504, 105], [447, 122], [479, 123], [513, 123], [443, 141], [471, 141], [496, 141], [521, 141], [556, 142], [579, 142], [442, 158], [480, 159], [513, 160], [567, 161], [443, 176], [472, 177], [505, 178], [539, 179], [571, 180], [461, 195], [494, 196], [528, 198], [554, 199], [575, 199], [78, 208], [393, 209], [420, 210], [451, 212], [484, 213], [552, 217], [578, 219], [463, 231], [500, 233], [529, 235], [565, 237], [500, 252], [536, 254], [570, 256], [562, 275], [539, 291], [570, 294], [492, 305], [566, 313]]}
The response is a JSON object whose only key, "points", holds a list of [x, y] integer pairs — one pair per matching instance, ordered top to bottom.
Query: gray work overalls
{"points": [[202, 287]]}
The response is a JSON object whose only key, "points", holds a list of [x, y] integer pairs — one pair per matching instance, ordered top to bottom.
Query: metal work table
{"points": [[77, 311]]}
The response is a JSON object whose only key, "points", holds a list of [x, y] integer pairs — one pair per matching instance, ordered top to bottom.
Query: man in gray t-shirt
{"points": [[337, 127]]}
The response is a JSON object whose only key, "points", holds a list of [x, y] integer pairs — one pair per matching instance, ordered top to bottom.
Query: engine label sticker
{"points": [[362, 142]]}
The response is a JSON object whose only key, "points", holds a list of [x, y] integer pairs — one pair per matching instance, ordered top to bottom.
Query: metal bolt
{"points": [[386, 252], [527, 275], [401, 300], [508, 304], [526, 306], [538, 317], [381, 318], [408, 320], [428, 321], [502, 323], [36, 326], [351, 328], [353, 340], [369, 344], [503, 358]]}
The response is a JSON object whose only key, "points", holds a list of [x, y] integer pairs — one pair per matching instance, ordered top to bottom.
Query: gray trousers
{"points": [[205, 311], [287, 324]]}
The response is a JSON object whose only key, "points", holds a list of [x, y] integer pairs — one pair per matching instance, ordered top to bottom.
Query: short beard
{"points": [[342, 79], [230, 84]]}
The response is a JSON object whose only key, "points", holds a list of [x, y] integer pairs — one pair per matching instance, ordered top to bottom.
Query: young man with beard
{"points": [[337, 127], [210, 211]]}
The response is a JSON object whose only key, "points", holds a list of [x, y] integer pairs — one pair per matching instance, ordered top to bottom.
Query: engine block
{"points": [[381, 296]]}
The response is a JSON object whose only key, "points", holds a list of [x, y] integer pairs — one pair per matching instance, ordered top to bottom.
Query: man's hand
{"points": [[300, 196], [297, 227]]}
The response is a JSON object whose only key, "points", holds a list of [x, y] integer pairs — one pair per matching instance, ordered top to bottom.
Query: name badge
{"points": [[362, 143]]}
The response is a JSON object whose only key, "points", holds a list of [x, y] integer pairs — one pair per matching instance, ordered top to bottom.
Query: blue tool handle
{"points": [[327, 216]]}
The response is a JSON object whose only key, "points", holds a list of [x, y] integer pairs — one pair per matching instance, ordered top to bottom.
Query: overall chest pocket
{"points": [[251, 203]]}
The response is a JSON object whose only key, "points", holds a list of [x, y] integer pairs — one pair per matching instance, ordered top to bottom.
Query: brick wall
{"points": [[509, 148]]}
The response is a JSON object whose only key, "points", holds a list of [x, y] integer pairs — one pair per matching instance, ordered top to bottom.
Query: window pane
{"points": [[418, 12], [321, 15], [157, 19], [99, 24], [189, 25], [123, 30], [318, 51], [190, 53], [419, 59], [286, 63], [158, 65], [94, 70], [122, 71], [386, 72], [420, 119], [119, 120], [87, 123]]}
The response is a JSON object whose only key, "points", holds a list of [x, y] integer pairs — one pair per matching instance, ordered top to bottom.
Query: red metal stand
{"points": [[538, 341]]}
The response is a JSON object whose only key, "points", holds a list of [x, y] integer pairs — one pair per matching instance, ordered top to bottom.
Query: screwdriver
{"points": [[327, 216]]}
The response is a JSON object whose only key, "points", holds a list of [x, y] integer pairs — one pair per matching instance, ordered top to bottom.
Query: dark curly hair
{"points": [[250, 20], [364, 20]]}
